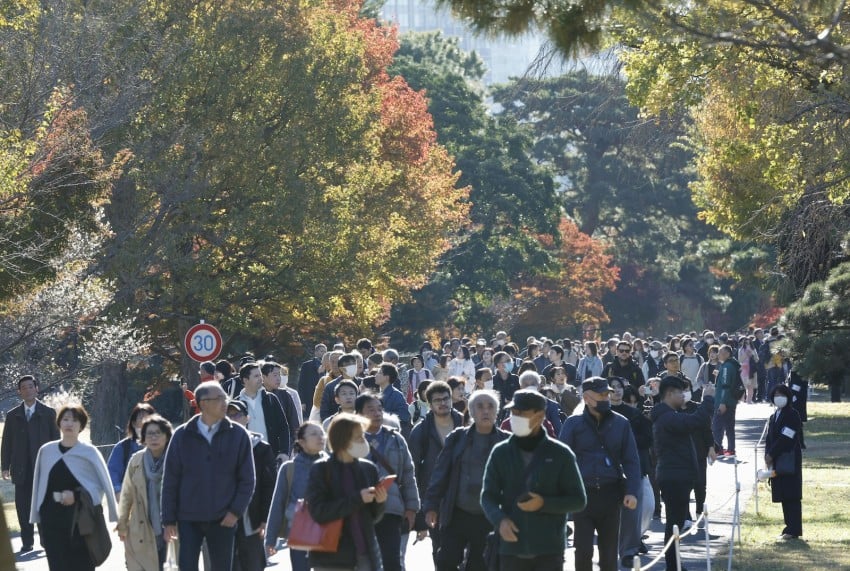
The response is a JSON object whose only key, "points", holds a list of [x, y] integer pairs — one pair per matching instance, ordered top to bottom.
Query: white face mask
{"points": [[653, 354], [350, 370], [283, 380], [488, 385], [687, 395], [780, 401], [520, 425], [359, 449]]}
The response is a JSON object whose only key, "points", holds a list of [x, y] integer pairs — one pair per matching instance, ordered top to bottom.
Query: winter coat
{"points": [[674, 433], [783, 437], [20, 459], [403, 494], [286, 495], [327, 501], [134, 518]]}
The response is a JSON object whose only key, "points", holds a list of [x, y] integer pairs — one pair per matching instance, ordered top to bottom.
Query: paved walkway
{"points": [[721, 501]]}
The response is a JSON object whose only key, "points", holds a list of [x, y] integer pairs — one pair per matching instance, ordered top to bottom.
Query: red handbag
{"points": [[307, 535]]}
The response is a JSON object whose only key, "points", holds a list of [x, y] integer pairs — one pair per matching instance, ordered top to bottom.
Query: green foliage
{"points": [[512, 199], [819, 323]]}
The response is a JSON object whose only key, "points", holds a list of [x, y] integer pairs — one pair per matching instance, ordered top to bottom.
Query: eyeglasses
{"points": [[626, 351], [218, 398], [155, 433]]}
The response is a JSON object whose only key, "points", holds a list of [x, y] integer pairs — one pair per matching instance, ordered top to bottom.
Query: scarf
{"points": [[153, 476]]}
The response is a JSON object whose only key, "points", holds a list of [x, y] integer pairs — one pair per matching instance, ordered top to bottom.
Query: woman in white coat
{"points": [[62, 469], [139, 520]]}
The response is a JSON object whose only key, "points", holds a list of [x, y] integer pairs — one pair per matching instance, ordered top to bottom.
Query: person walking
{"points": [[725, 402], [28, 426], [120, 455], [607, 456], [65, 469], [677, 471], [208, 481], [531, 483], [344, 486], [453, 497], [139, 522]]}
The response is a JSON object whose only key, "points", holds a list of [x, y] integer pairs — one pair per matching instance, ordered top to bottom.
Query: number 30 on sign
{"points": [[202, 342]]}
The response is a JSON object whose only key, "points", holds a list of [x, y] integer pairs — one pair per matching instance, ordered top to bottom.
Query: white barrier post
{"points": [[756, 476], [705, 514], [736, 523], [676, 547], [636, 563]]}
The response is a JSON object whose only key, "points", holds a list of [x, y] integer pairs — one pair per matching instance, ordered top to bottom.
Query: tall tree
{"points": [[512, 199]]}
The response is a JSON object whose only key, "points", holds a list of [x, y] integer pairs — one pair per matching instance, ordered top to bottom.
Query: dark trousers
{"points": [[761, 381], [724, 424], [700, 485], [676, 495], [23, 502], [792, 510], [601, 515], [465, 530], [388, 532], [219, 542], [436, 543], [65, 551], [250, 554], [299, 560], [538, 563]]}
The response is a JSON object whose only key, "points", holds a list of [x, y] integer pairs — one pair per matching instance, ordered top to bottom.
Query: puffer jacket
{"points": [[391, 455]]}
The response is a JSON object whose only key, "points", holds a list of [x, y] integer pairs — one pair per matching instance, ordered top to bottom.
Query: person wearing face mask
{"points": [[708, 339], [654, 363], [348, 370], [504, 381], [783, 439], [704, 444], [607, 456], [677, 468], [531, 483], [345, 486], [452, 500]]}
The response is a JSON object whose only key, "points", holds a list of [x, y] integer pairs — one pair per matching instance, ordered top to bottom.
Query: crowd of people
{"points": [[483, 446]]}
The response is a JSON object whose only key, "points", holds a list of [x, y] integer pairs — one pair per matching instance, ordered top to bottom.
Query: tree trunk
{"points": [[188, 366], [109, 403]]}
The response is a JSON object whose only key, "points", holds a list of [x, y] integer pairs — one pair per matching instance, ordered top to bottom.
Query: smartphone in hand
{"points": [[385, 482]]}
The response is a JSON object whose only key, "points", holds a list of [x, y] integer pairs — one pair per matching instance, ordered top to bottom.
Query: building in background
{"points": [[504, 57]]}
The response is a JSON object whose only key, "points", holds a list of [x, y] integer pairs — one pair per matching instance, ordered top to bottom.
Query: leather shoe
{"points": [[643, 548], [25, 549], [627, 561]]}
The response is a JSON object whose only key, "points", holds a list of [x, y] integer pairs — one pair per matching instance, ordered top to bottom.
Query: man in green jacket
{"points": [[725, 403], [531, 483]]}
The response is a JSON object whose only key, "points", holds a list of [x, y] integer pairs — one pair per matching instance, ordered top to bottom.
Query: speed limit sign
{"points": [[202, 342]]}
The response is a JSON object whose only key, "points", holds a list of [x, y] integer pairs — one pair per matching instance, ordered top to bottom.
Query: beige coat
{"points": [[133, 519]]}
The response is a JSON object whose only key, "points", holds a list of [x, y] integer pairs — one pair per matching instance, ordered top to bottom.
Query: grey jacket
{"points": [[394, 458]]}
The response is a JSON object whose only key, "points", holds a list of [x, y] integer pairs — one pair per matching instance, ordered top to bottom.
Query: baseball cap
{"points": [[596, 384], [527, 399], [238, 405]]}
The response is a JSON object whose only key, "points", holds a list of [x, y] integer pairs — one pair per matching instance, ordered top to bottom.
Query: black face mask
{"points": [[603, 406]]}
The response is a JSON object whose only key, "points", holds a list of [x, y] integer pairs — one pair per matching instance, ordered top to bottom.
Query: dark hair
{"points": [[686, 342], [363, 344], [533, 345], [592, 348], [558, 349], [465, 350], [670, 355], [499, 357], [417, 358], [375, 359], [345, 360], [444, 360], [269, 366], [527, 366], [225, 368], [245, 370], [390, 370], [480, 372], [26, 378], [619, 380], [455, 382], [346, 383], [670, 383], [437, 387], [422, 388], [783, 389], [629, 392], [364, 398], [141, 408], [77, 411], [162, 423], [341, 430], [299, 434]]}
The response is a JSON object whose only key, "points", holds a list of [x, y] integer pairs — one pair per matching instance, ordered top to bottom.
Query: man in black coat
{"points": [[624, 366], [308, 378], [267, 417], [28, 426], [677, 470], [249, 553]]}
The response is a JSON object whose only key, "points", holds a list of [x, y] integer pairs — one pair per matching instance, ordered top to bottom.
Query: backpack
{"points": [[738, 390]]}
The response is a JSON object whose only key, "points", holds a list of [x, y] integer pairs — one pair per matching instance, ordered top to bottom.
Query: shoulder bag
{"points": [[305, 534]]}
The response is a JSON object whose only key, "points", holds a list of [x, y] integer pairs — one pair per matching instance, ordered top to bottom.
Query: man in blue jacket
{"points": [[607, 456], [678, 466], [207, 482]]}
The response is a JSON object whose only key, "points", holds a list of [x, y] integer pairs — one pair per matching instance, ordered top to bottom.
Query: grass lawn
{"points": [[826, 503]]}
